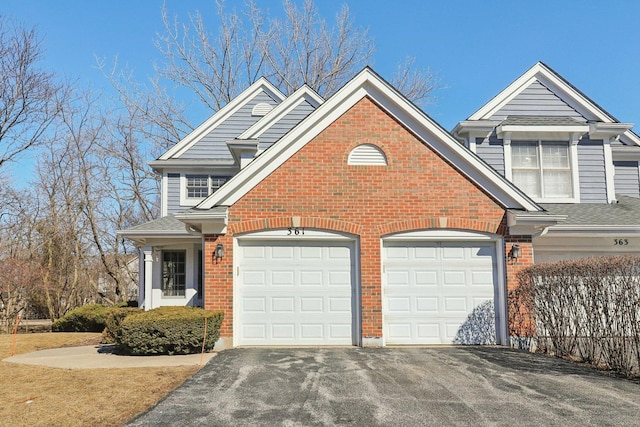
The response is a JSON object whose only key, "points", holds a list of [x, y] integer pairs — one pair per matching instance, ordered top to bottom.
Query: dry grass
{"points": [[40, 396]]}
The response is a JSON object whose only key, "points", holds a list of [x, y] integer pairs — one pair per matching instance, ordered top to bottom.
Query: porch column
{"points": [[148, 277]]}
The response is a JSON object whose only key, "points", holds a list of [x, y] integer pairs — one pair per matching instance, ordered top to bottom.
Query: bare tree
{"points": [[300, 48], [29, 96]]}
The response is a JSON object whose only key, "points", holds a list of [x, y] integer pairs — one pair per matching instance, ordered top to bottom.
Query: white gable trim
{"points": [[367, 83], [261, 85], [305, 93]]}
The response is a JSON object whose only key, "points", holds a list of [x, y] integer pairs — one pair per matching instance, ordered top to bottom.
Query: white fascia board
{"points": [[367, 83], [555, 83], [305, 93], [221, 115], [466, 127], [559, 129], [630, 138], [527, 219], [205, 222], [592, 230]]}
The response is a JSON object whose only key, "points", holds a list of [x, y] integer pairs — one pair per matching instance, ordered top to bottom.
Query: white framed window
{"points": [[545, 170], [195, 187]]}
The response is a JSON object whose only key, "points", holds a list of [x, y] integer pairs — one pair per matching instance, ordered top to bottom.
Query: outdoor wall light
{"points": [[219, 251], [514, 252]]}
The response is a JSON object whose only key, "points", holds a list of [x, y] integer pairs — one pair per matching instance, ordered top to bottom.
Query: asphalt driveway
{"points": [[446, 386]]}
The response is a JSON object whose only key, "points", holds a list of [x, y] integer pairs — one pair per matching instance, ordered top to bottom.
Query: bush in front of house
{"points": [[586, 309], [88, 318], [113, 320], [169, 330]]}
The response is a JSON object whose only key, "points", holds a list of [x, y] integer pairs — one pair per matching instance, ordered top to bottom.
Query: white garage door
{"points": [[439, 292], [294, 293]]}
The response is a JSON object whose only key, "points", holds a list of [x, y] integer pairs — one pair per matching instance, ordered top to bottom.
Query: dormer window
{"points": [[542, 170], [196, 187]]}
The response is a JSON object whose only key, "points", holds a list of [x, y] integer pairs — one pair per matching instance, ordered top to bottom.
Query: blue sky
{"points": [[476, 47]]}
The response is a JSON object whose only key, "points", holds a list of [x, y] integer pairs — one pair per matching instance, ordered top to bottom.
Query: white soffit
{"points": [[367, 83], [221, 115]]}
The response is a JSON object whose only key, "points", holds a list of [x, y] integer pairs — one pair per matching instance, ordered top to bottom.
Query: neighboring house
{"points": [[360, 221]]}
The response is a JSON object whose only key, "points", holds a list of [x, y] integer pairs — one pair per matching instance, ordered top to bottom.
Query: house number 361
{"points": [[295, 231], [620, 242]]}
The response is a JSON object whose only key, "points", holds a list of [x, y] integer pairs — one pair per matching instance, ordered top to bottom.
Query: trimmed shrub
{"points": [[88, 318], [113, 320], [168, 330]]}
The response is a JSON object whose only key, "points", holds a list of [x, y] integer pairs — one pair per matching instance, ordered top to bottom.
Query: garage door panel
{"points": [[281, 253], [453, 253], [255, 278], [282, 278], [311, 278], [339, 278], [397, 278], [426, 278], [453, 278], [481, 278], [306, 287], [427, 300], [254, 304], [399, 304], [426, 304], [282, 305], [311, 305], [339, 305], [456, 305], [254, 331], [284, 331]]}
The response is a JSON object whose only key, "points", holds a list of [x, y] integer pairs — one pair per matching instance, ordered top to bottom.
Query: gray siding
{"points": [[537, 100], [284, 125], [213, 145], [491, 152], [627, 178], [593, 184], [173, 193]]}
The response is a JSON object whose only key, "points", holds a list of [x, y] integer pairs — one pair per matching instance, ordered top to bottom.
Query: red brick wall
{"points": [[417, 190]]}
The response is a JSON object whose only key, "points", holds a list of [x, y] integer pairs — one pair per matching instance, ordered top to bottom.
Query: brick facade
{"points": [[417, 190]]}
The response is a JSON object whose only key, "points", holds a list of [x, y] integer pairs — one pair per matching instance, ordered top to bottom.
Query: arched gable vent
{"points": [[261, 109], [367, 155]]}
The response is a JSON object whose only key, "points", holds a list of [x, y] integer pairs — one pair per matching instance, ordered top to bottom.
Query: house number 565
{"points": [[295, 231], [620, 242]]}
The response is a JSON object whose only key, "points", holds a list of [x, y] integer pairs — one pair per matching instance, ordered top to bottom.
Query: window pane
{"points": [[524, 155], [555, 156], [527, 181], [217, 182], [557, 183], [197, 186], [174, 273]]}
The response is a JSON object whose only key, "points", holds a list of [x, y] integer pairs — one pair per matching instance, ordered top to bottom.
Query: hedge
{"points": [[587, 309], [88, 318], [113, 320], [168, 330]]}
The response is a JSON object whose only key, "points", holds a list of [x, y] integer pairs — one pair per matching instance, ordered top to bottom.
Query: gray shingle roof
{"points": [[540, 121], [625, 212], [165, 224]]}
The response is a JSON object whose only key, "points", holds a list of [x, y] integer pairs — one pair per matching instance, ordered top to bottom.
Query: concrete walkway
{"points": [[102, 356]]}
